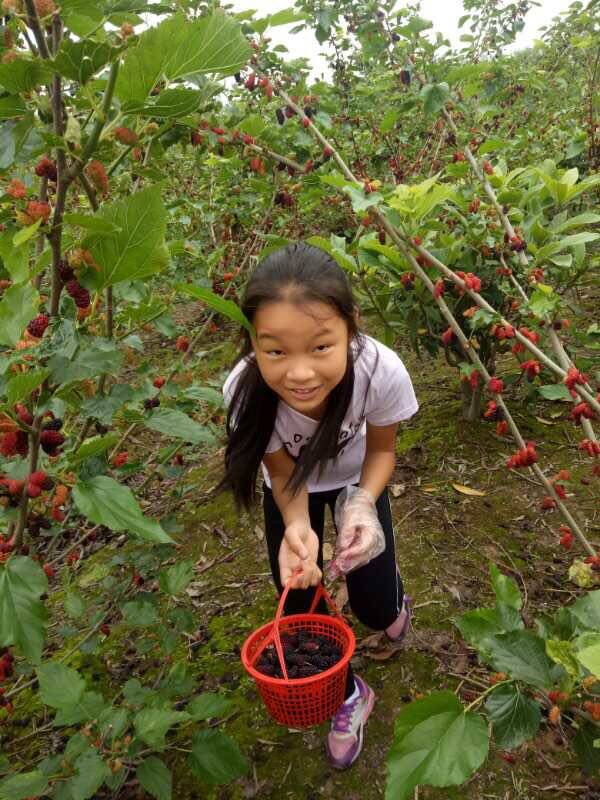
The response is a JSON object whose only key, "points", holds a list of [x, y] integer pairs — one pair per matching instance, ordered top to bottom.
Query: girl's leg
{"points": [[375, 591], [298, 600]]}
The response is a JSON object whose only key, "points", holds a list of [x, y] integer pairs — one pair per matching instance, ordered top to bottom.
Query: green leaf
{"points": [[81, 16], [179, 48], [79, 61], [23, 75], [434, 97], [170, 103], [12, 106], [389, 120], [253, 125], [361, 201], [587, 218], [95, 223], [25, 234], [138, 249], [16, 259], [18, 306], [226, 307], [90, 360], [24, 384], [556, 391], [175, 423], [94, 447], [104, 501], [177, 578], [505, 589], [74, 605], [587, 610], [139, 612], [22, 615], [482, 624], [563, 653], [522, 655], [59, 685], [90, 706], [207, 706], [515, 717], [152, 724], [435, 744], [583, 744], [216, 758], [91, 772], [155, 777], [24, 785]]}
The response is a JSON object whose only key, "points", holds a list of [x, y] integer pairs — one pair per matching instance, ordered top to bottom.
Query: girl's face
{"points": [[301, 352]]}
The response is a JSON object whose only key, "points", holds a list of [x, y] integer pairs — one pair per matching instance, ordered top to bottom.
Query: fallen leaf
{"points": [[545, 421], [398, 489], [430, 489], [468, 490], [259, 533], [327, 551]]}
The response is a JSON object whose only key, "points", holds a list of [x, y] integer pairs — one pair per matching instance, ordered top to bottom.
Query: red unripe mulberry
{"points": [[126, 136], [46, 168], [97, 174], [16, 189], [37, 209], [182, 343], [159, 382], [496, 386], [120, 458], [48, 570]]}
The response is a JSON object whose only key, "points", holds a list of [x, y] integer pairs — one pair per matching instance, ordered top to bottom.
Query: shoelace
{"points": [[343, 718]]}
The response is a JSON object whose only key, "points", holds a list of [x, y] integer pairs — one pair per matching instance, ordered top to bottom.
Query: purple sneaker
{"points": [[400, 627], [345, 739]]}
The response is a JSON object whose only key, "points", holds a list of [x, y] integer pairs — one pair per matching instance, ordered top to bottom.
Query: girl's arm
{"points": [[380, 458]]}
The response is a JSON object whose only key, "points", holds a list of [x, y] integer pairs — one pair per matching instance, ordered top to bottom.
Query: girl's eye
{"points": [[322, 348], [274, 352]]}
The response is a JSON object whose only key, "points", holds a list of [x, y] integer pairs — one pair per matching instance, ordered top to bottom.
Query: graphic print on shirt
{"points": [[294, 449]]}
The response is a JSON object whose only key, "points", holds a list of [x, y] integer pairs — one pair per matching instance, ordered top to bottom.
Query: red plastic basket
{"points": [[301, 702]]}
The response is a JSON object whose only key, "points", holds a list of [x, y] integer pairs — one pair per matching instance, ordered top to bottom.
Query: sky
{"points": [[443, 13]]}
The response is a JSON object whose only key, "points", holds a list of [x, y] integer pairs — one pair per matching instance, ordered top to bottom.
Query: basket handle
{"points": [[320, 593]]}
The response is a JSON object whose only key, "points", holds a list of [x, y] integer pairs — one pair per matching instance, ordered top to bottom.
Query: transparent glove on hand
{"points": [[360, 535]]}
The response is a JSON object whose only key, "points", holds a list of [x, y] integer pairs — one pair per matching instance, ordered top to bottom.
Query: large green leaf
{"points": [[179, 48], [78, 61], [23, 75], [434, 96], [170, 103], [12, 106], [137, 249], [15, 259], [17, 307], [226, 307], [91, 360], [24, 384], [175, 423], [94, 447], [104, 501], [174, 580], [505, 588], [587, 610], [140, 613], [22, 615], [482, 624], [587, 651], [522, 655], [59, 685], [90, 706], [207, 706], [515, 717], [152, 724], [435, 744], [583, 744], [216, 758], [91, 772], [155, 777], [24, 785]]}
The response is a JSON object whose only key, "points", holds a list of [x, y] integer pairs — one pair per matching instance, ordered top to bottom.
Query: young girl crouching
{"points": [[316, 403]]}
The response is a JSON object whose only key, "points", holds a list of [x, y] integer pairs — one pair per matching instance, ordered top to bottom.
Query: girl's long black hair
{"points": [[298, 273]]}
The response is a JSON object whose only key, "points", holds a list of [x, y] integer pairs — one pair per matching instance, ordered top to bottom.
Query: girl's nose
{"points": [[300, 372]]}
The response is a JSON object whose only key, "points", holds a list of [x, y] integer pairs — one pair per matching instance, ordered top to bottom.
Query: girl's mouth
{"points": [[304, 394]]}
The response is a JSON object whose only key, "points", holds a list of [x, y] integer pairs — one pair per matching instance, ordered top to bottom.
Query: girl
{"points": [[316, 403]]}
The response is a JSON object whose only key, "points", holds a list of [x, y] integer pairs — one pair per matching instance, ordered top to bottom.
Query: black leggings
{"points": [[375, 591]]}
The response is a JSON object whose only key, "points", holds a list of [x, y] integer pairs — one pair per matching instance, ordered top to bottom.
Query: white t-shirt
{"points": [[385, 391]]}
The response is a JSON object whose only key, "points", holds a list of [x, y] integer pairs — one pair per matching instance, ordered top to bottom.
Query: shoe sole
{"points": [[370, 704]]}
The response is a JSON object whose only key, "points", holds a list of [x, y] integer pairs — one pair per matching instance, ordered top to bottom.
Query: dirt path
{"points": [[445, 542]]}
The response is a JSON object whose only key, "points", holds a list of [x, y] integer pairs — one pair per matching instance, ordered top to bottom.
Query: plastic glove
{"points": [[360, 535]]}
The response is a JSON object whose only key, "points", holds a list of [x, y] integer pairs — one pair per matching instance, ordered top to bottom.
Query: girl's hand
{"points": [[360, 535], [299, 551]]}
